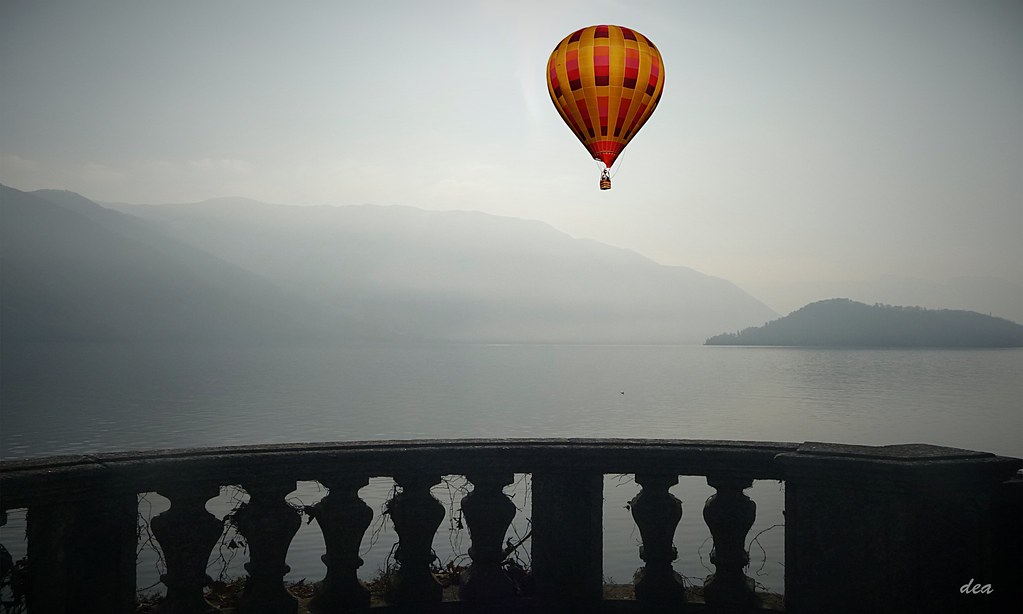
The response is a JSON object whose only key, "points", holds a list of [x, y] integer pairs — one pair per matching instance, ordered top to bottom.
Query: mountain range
{"points": [[72, 270], [245, 270]]}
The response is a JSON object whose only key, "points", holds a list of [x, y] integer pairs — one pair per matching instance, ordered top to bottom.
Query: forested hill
{"points": [[842, 322]]}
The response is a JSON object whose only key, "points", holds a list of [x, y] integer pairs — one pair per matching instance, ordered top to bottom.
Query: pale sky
{"points": [[796, 140]]}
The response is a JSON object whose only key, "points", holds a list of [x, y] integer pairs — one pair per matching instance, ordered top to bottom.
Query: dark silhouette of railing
{"points": [[867, 529]]}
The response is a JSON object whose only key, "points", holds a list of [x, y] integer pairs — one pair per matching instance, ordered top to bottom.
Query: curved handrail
{"points": [[73, 477]]}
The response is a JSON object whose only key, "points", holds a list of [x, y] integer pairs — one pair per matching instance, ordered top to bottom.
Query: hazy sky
{"points": [[796, 140]]}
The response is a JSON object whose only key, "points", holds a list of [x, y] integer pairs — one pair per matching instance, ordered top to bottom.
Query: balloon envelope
{"points": [[605, 82]]}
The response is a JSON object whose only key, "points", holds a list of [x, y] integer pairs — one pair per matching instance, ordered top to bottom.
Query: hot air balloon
{"points": [[605, 82]]}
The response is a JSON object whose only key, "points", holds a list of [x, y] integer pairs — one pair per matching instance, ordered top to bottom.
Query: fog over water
{"points": [[799, 146], [86, 397]]}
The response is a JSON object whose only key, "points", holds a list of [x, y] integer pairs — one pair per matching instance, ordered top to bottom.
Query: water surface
{"points": [[75, 398]]}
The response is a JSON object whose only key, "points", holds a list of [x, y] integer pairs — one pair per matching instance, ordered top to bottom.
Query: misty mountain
{"points": [[72, 270], [458, 275], [991, 295], [845, 323]]}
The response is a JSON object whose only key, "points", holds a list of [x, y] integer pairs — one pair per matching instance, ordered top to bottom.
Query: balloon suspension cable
{"points": [[618, 164]]}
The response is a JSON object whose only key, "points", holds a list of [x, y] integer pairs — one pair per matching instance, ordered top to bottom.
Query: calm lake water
{"points": [[59, 399]]}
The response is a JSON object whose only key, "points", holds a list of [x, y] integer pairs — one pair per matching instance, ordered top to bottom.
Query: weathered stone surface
{"points": [[71, 478], [657, 512], [488, 514], [729, 514], [416, 515], [344, 518], [881, 518], [268, 524], [906, 525], [1007, 527], [187, 533], [568, 540], [82, 556]]}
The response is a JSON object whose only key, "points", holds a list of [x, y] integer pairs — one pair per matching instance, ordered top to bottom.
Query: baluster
{"points": [[488, 512], [657, 512], [416, 514], [729, 514], [344, 518], [268, 524], [187, 534]]}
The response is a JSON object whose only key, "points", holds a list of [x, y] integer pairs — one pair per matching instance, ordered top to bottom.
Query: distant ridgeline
{"points": [[842, 322]]}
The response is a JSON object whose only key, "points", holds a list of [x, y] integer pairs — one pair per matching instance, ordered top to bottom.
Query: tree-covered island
{"points": [[841, 322]]}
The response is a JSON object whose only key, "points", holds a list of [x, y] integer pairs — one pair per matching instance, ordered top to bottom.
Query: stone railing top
{"points": [[903, 452], [896, 467], [42, 480]]}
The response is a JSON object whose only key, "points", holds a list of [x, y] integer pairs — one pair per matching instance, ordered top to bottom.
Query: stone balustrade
{"points": [[867, 529]]}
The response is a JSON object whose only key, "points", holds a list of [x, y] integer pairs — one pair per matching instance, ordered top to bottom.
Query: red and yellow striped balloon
{"points": [[605, 82]]}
